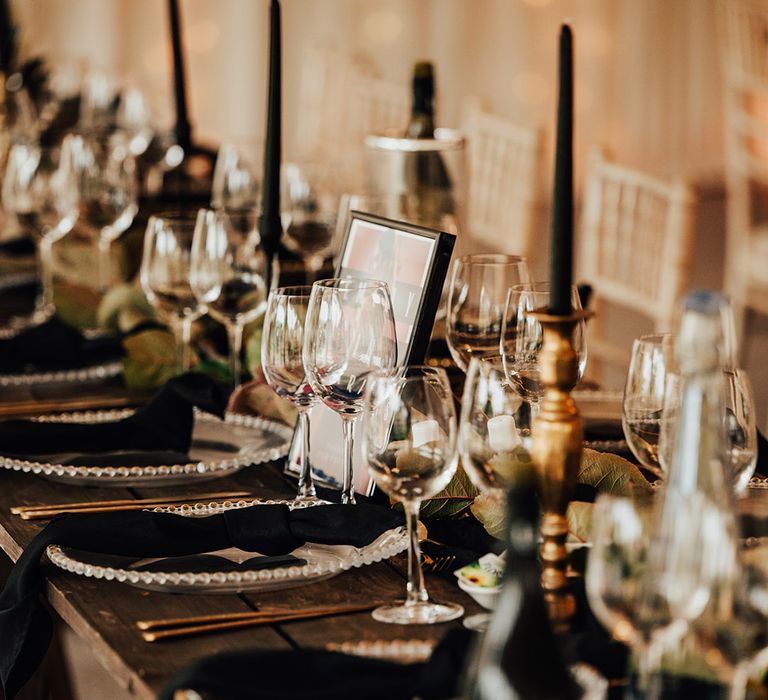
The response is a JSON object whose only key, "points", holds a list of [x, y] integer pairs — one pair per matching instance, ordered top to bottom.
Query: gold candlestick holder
{"points": [[556, 451]]}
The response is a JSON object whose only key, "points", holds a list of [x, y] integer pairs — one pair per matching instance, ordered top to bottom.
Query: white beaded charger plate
{"points": [[219, 448], [172, 575]]}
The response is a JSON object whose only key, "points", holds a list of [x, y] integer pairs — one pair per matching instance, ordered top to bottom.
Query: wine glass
{"points": [[236, 182], [41, 188], [110, 192], [308, 215], [165, 276], [228, 276], [475, 308], [349, 334], [522, 338], [282, 341], [644, 392], [740, 425], [410, 445], [642, 587]]}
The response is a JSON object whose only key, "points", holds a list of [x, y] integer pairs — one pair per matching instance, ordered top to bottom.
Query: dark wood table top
{"points": [[103, 613]]}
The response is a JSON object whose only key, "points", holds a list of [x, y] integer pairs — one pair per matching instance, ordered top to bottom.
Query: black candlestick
{"points": [[183, 127], [270, 227], [561, 271]]}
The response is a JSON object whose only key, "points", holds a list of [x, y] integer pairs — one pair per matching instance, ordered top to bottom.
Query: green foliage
{"points": [[76, 305], [124, 307], [150, 359], [609, 473], [453, 500], [490, 510], [579, 521]]}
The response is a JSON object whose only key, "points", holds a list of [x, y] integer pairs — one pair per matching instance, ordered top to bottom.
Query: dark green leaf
{"points": [[609, 473], [453, 500]]}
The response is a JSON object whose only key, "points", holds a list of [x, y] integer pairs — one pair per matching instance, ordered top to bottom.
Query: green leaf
{"points": [[76, 305], [124, 307], [150, 359], [609, 473], [453, 500], [491, 510], [579, 521]]}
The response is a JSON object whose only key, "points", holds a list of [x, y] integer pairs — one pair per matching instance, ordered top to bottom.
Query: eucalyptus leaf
{"points": [[76, 305], [150, 359], [609, 473], [453, 500], [490, 509]]}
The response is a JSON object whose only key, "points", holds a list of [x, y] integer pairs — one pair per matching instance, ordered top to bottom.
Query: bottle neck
{"points": [[422, 123]]}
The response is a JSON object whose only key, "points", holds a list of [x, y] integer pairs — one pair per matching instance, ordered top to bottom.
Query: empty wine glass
{"points": [[236, 181], [41, 188], [109, 192], [309, 203], [228, 275], [165, 276], [475, 308], [349, 334], [522, 338], [282, 341], [643, 402], [740, 425], [410, 446], [642, 590]]}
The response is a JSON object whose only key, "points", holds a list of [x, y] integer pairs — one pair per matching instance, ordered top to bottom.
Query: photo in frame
{"points": [[413, 261]]}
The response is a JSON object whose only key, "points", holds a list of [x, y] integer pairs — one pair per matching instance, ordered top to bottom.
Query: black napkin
{"points": [[22, 246], [54, 345], [164, 424], [762, 455], [25, 626], [326, 675]]}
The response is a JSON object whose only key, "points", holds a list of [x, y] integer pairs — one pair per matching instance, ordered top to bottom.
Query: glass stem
{"points": [[45, 254], [105, 264], [182, 330], [235, 334], [306, 485], [348, 490], [416, 592], [647, 664], [737, 688]]}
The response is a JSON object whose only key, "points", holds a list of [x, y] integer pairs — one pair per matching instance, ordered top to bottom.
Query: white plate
{"points": [[219, 448], [322, 562]]}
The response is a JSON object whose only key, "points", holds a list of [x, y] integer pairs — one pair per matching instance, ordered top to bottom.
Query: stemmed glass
{"points": [[235, 177], [41, 188], [110, 192], [309, 205], [228, 275], [165, 277], [475, 308], [349, 334], [522, 338], [282, 341], [644, 391], [740, 425], [410, 446], [643, 588]]}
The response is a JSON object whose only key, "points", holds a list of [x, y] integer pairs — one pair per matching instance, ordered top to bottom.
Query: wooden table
{"points": [[103, 613]]}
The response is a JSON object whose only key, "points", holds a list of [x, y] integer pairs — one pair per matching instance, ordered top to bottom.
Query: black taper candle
{"points": [[183, 127], [270, 227], [561, 270]]}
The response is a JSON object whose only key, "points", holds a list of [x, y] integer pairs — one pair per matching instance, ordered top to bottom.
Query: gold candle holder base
{"points": [[556, 451]]}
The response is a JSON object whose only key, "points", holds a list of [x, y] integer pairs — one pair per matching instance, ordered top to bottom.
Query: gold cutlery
{"points": [[48, 510], [206, 624]]}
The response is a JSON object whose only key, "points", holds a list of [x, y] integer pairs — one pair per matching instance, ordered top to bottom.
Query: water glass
{"points": [[236, 177], [41, 187], [228, 275], [165, 276], [475, 307], [349, 335], [522, 338], [282, 341], [644, 395], [410, 445]]}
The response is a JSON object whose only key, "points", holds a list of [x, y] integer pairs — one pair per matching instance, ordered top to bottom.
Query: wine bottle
{"points": [[427, 178], [519, 657]]}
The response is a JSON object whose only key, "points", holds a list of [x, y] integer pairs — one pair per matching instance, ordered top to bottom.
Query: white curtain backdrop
{"points": [[648, 86]]}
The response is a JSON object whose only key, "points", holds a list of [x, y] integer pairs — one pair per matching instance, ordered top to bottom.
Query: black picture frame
{"points": [[326, 453]]}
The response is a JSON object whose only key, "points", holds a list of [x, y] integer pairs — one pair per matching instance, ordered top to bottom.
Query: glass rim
{"points": [[182, 216], [491, 259], [349, 284], [537, 287], [297, 290], [653, 339], [418, 370]]}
